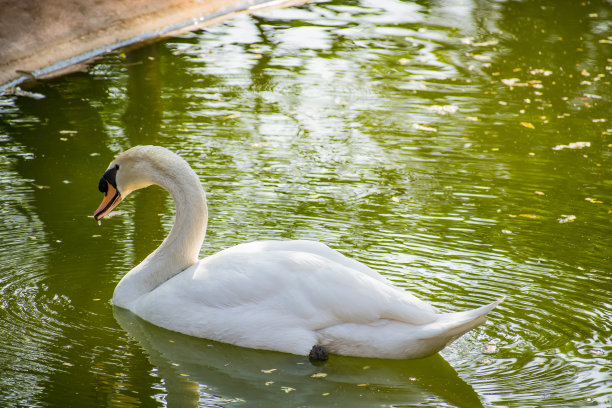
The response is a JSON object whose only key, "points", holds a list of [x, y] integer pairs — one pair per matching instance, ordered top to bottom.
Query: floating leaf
{"points": [[486, 43], [479, 57], [510, 81], [527, 125], [424, 127], [574, 145], [538, 193], [593, 200], [532, 216], [566, 218], [268, 371], [319, 375], [268, 383], [287, 389]]}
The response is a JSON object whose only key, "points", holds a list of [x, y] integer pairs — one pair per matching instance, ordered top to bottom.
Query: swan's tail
{"points": [[450, 326]]}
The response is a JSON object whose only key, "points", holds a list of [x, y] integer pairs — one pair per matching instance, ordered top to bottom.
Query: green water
{"points": [[430, 140]]}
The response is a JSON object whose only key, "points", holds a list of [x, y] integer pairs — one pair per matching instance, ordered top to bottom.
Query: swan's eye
{"points": [[108, 178]]}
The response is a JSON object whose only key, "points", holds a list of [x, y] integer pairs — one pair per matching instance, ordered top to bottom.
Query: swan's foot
{"points": [[318, 353]]}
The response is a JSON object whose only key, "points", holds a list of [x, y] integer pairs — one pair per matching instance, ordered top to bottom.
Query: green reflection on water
{"points": [[424, 140]]}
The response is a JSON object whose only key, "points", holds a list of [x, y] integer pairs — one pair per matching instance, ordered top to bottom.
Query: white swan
{"points": [[299, 297]]}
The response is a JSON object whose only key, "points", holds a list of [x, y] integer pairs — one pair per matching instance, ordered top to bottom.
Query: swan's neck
{"points": [[181, 247]]}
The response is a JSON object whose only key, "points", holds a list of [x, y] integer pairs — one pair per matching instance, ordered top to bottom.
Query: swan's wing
{"points": [[302, 281]]}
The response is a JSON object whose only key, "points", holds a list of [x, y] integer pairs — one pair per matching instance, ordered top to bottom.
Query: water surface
{"points": [[463, 149]]}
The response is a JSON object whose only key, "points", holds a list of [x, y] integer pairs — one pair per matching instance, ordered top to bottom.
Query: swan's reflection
{"points": [[196, 369]]}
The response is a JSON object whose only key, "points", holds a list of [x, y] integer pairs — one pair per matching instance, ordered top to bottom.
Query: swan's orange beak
{"points": [[112, 197]]}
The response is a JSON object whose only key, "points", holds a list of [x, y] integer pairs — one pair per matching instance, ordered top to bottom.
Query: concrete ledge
{"points": [[45, 38]]}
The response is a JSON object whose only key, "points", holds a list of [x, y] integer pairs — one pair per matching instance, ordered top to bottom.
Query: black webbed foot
{"points": [[318, 353]]}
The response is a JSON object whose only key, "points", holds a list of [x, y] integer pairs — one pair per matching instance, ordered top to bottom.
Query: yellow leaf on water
{"points": [[527, 125], [424, 127], [593, 200], [532, 216], [268, 371], [319, 375], [287, 389]]}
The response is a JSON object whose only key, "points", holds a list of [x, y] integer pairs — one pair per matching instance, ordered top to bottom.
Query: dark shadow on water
{"points": [[196, 370]]}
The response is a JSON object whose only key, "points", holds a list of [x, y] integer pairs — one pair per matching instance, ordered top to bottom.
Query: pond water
{"points": [[463, 149]]}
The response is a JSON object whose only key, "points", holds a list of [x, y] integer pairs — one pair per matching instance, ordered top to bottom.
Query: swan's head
{"points": [[136, 168]]}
